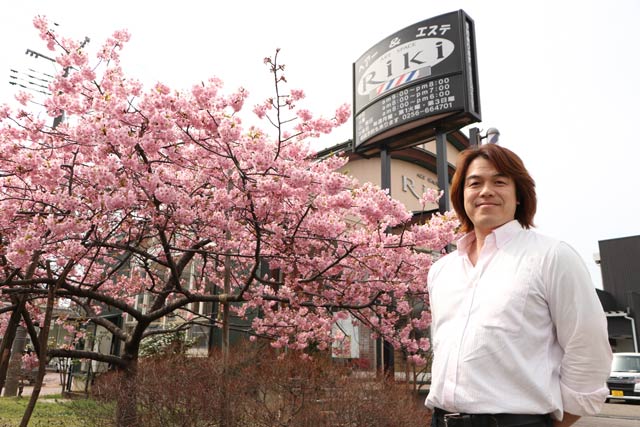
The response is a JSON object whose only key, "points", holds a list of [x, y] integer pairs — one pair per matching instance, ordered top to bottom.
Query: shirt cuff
{"points": [[579, 403]]}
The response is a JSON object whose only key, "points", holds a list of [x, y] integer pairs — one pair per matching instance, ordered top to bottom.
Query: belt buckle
{"points": [[453, 415]]}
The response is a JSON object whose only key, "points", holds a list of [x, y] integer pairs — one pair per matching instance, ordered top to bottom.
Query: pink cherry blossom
{"points": [[297, 94], [165, 193]]}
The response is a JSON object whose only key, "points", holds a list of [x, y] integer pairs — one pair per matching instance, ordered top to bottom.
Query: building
{"points": [[412, 169], [620, 297]]}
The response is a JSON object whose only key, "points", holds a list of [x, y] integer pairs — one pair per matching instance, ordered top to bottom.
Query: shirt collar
{"points": [[506, 232], [502, 236]]}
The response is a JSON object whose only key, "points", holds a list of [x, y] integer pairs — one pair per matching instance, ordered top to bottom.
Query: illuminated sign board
{"points": [[416, 82]]}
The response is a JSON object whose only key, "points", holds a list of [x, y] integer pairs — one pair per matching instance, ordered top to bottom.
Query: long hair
{"points": [[506, 162]]}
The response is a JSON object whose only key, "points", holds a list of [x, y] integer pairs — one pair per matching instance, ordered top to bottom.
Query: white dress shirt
{"points": [[521, 332]]}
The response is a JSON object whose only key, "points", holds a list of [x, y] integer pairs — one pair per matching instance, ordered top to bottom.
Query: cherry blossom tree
{"points": [[168, 193]]}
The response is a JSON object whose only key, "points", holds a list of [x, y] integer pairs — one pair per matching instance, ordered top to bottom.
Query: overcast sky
{"points": [[557, 78]]}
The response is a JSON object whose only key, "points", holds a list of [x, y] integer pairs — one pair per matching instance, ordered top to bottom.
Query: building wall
{"points": [[452, 151], [408, 180], [620, 267]]}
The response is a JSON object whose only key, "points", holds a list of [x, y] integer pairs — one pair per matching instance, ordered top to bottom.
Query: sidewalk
{"points": [[50, 385]]}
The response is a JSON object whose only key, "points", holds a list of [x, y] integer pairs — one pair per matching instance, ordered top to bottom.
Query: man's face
{"points": [[489, 196]]}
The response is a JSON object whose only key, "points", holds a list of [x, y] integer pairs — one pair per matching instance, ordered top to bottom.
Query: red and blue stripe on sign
{"points": [[395, 82]]}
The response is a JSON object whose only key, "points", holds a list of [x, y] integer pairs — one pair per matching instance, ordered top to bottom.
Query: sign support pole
{"points": [[385, 169], [442, 169], [384, 350]]}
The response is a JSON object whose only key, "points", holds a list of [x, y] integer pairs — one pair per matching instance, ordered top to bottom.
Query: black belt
{"points": [[453, 419]]}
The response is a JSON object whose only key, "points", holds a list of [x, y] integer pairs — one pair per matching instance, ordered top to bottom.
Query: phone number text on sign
{"points": [[422, 100]]}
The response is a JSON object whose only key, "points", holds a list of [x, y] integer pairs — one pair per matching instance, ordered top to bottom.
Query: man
{"points": [[519, 336]]}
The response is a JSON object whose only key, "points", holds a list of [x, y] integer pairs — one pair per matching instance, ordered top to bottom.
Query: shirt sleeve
{"points": [[581, 328]]}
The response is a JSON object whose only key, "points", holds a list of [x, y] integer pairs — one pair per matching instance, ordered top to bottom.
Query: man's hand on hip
{"points": [[567, 420]]}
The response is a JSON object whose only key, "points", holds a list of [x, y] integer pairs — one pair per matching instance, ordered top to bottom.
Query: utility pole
{"points": [[37, 81]]}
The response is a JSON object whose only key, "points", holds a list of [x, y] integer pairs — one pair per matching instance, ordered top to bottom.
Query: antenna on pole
{"points": [[33, 82]]}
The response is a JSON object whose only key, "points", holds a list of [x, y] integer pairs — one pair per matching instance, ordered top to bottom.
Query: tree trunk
{"points": [[225, 310], [31, 329], [8, 339], [5, 352], [42, 357], [14, 370], [10, 372], [126, 404], [226, 405], [225, 413]]}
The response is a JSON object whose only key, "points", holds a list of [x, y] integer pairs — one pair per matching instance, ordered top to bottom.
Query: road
{"points": [[614, 415]]}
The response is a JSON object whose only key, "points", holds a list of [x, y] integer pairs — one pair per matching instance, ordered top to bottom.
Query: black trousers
{"points": [[442, 418]]}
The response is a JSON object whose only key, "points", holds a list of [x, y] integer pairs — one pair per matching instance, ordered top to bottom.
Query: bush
{"points": [[259, 388]]}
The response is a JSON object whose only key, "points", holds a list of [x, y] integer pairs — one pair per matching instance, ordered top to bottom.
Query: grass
{"points": [[50, 411]]}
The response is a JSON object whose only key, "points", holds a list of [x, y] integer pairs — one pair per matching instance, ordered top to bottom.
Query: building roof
{"points": [[414, 154]]}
